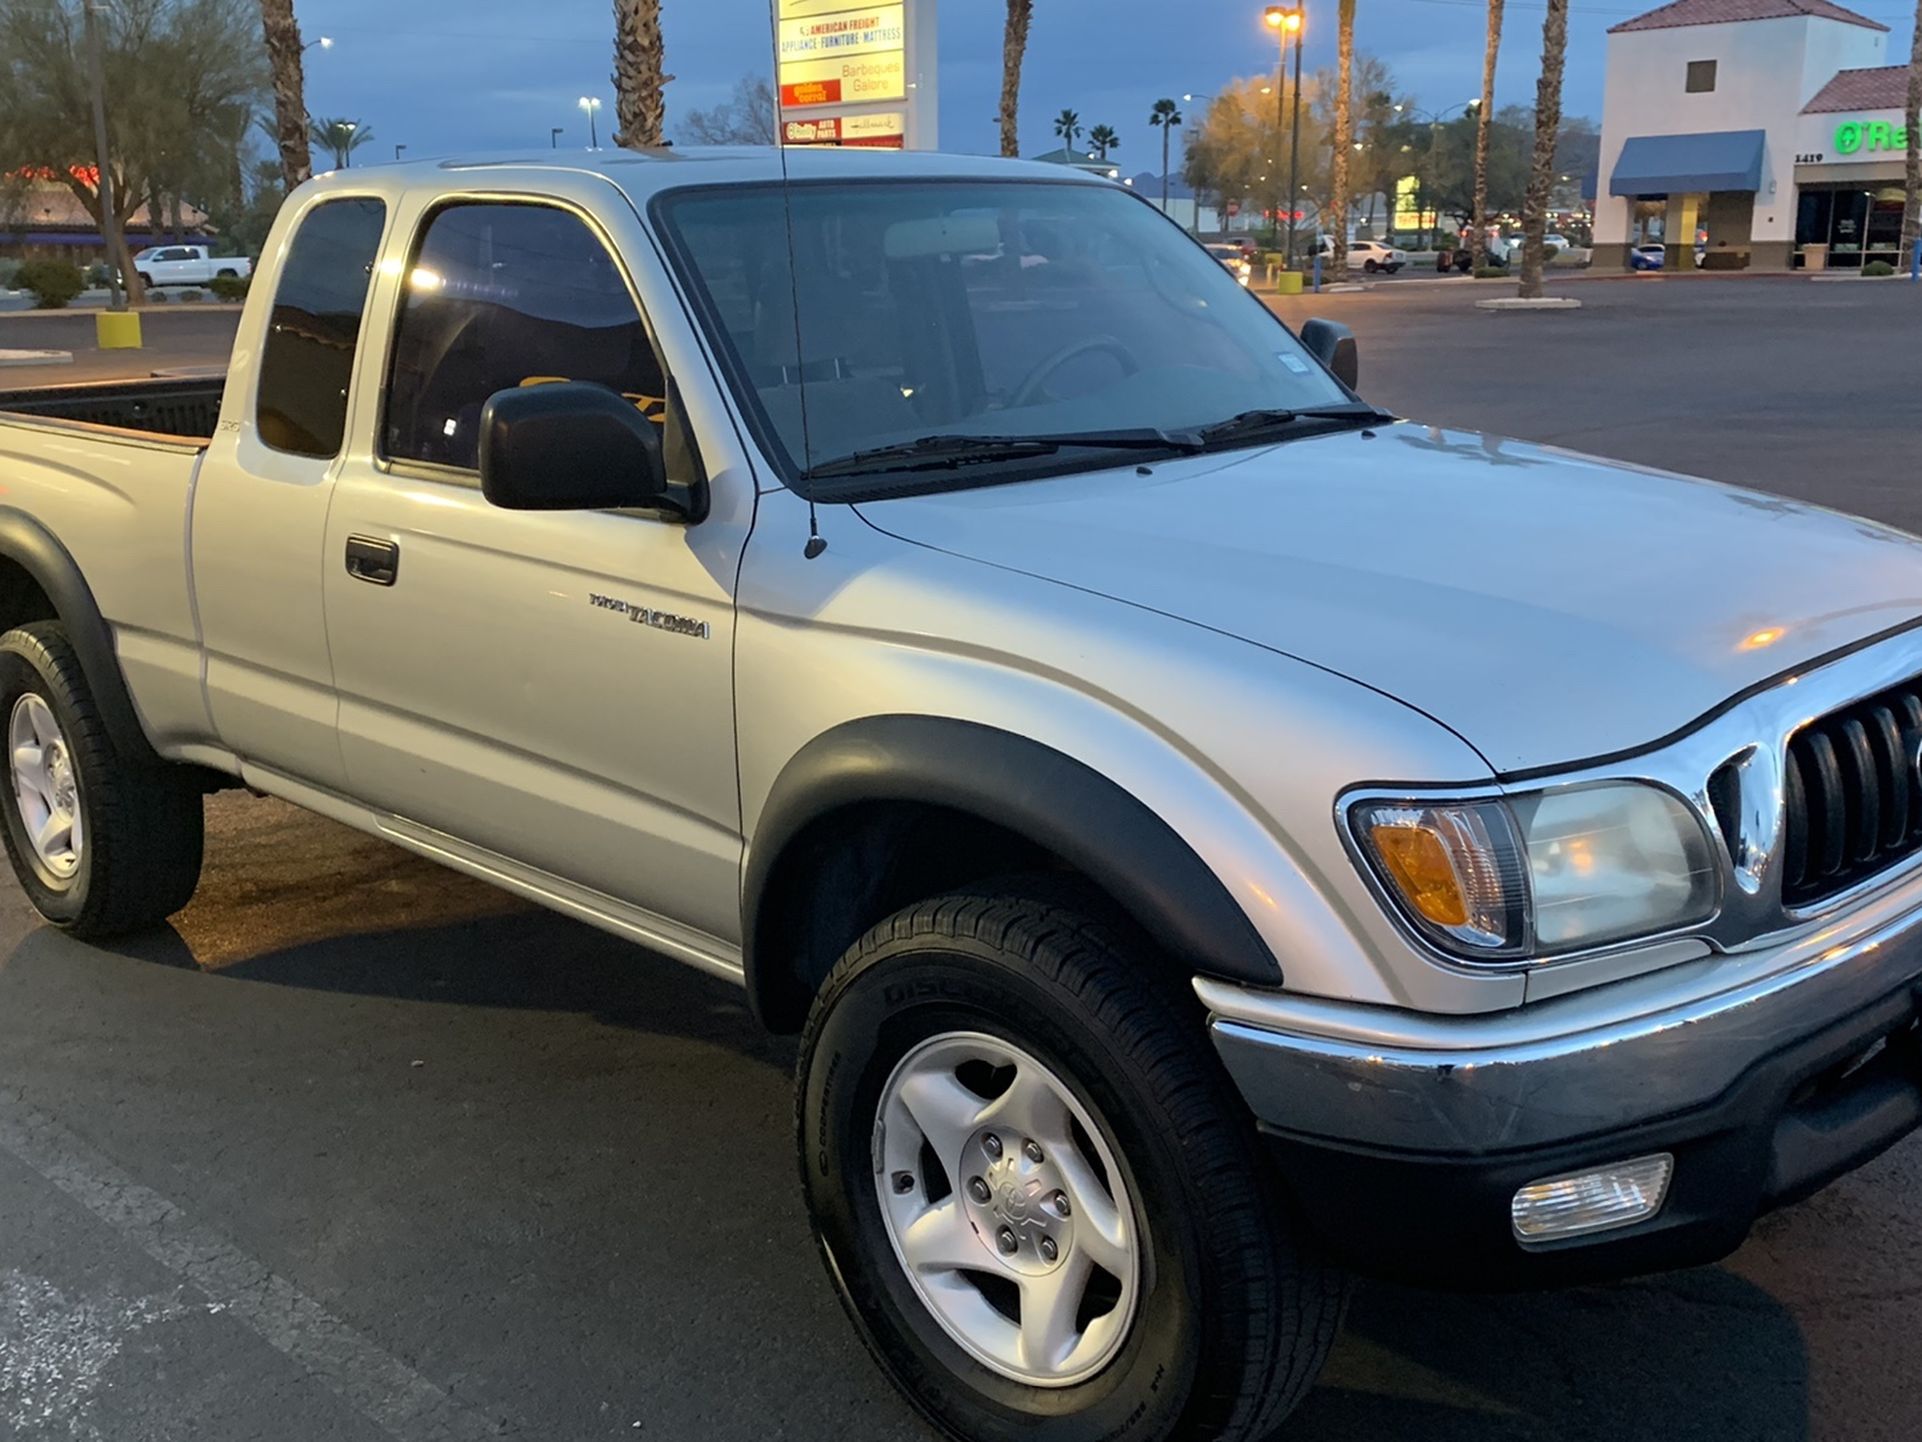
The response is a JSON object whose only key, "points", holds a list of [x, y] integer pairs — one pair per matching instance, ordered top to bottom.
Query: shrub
{"points": [[1878, 267], [8, 270], [1491, 272], [53, 282], [228, 287]]}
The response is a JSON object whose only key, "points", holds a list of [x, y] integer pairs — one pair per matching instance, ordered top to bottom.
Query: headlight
{"points": [[1544, 872]]}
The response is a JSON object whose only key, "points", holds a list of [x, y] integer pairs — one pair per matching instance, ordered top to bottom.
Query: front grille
{"points": [[1854, 795]]}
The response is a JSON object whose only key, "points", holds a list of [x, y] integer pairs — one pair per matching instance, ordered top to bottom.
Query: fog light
{"points": [[1595, 1201]]}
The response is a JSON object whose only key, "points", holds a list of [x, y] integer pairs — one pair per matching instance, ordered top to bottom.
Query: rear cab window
{"points": [[308, 360]]}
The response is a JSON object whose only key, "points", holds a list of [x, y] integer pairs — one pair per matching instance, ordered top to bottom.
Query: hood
{"points": [[1545, 606]]}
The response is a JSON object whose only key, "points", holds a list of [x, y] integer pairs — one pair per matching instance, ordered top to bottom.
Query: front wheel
{"points": [[1370, 266], [1039, 1197]]}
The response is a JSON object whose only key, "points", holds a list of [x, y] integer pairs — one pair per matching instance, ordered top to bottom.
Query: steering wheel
{"points": [[1031, 389]]}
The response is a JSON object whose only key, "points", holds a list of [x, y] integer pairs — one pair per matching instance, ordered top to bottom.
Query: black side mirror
{"points": [[1333, 344], [573, 446]]}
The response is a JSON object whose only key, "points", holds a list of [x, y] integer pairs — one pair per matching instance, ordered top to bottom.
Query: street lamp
{"points": [[1287, 21], [326, 42], [592, 105], [554, 137], [347, 150], [398, 150], [1427, 164]]}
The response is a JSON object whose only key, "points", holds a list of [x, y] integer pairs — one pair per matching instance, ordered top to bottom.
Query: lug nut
{"points": [[991, 1144], [1032, 1150], [904, 1182], [978, 1189], [1061, 1203], [1004, 1239], [1049, 1251]]}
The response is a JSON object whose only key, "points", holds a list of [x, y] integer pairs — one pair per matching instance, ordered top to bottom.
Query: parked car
{"points": [[1370, 256], [1652, 256], [1234, 260], [187, 265], [1154, 782]]}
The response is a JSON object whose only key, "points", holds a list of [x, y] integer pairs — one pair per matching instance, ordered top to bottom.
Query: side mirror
{"points": [[1333, 344], [572, 446]]}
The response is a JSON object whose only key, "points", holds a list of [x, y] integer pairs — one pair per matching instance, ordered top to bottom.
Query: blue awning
{"points": [[1683, 164]]}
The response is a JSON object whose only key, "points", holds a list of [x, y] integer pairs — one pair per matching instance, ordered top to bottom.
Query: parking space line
{"points": [[385, 1390]]}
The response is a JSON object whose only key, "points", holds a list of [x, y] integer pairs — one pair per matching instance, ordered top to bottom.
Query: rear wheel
{"points": [[1370, 266], [100, 844], [1037, 1193]]}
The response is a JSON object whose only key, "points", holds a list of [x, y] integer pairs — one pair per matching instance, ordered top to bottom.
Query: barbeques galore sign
{"points": [[1856, 135]]}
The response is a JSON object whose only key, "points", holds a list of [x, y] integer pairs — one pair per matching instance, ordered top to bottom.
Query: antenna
{"points": [[815, 544]]}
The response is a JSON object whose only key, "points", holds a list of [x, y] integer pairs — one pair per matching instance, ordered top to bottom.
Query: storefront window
{"points": [[1851, 220], [1884, 239]]}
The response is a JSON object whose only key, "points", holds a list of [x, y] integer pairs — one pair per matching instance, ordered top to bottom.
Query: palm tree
{"points": [[1014, 50], [640, 74], [290, 101], [1165, 117], [1484, 124], [1068, 126], [1548, 126], [1344, 136], [341, 137], [1104, 139], [1912, 180]]}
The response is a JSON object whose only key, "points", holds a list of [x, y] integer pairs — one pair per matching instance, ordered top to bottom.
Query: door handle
{"points": [[375, 562]]}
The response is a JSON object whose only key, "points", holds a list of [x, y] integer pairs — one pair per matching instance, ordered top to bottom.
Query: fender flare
{"points": [[32, 547], [1053, 800]]}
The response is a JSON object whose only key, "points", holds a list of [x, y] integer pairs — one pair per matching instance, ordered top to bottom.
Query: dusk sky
{"points": [[452, 75]]}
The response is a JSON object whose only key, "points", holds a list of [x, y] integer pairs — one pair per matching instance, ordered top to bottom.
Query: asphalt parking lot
{"points": [[361, 1149]]}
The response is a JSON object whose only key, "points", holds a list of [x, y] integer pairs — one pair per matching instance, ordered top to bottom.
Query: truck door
{"points": [[260, 506], [494, 685]]}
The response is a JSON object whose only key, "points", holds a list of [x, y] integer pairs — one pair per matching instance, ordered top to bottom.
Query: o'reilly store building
{"points": [[1772, 127]]}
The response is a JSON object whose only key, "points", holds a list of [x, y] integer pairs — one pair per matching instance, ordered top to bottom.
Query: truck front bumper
{"points": [[1404, 1138]]}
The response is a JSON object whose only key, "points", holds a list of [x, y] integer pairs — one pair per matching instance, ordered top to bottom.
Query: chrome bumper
{"points": [[1655, 1047]]}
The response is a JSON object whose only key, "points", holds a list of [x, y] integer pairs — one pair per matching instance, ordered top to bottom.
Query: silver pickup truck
{"points": [[1213, 838]]}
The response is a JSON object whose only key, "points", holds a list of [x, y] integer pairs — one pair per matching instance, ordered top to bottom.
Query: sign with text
{"points": [[853, 32], [850, 74], [836, 82], [885, 131]]}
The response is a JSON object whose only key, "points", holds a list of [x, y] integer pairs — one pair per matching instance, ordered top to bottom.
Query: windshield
{"points": [[966, 308]]}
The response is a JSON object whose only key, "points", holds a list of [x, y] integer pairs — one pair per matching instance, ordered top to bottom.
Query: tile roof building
{"points": [[1761, 134]]}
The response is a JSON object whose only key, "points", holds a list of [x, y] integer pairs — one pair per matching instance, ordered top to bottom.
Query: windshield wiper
{"points": [[1255, 423], [932, 453]]}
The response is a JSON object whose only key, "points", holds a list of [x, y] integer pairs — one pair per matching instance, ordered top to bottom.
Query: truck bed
{"points": [[181, 409]]}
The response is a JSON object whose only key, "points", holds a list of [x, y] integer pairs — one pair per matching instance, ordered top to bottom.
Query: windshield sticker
{"points": [[1294, 362]]}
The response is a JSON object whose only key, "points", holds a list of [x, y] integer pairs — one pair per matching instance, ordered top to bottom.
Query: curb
{"points": [[1516, 302], [174, 308], [36, 357]]}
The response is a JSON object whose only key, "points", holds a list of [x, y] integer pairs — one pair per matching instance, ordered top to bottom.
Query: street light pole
{"points": [[1286, 21], [591, 105], [1294, 134], [554, 137], [109, 218]]}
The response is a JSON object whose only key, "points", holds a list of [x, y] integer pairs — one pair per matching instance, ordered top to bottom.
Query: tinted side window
{"points": [[505, 295], [309, 357]]}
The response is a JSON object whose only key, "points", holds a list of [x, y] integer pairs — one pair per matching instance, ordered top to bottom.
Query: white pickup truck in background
{"points": [[187, 265], [1211, 836]]}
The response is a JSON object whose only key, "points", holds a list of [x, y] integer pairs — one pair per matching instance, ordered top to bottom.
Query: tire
{"points": [[1370, 266], [1391, 269], [228, 273], [146, 280], [136, 849], [1227, 1319]]}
